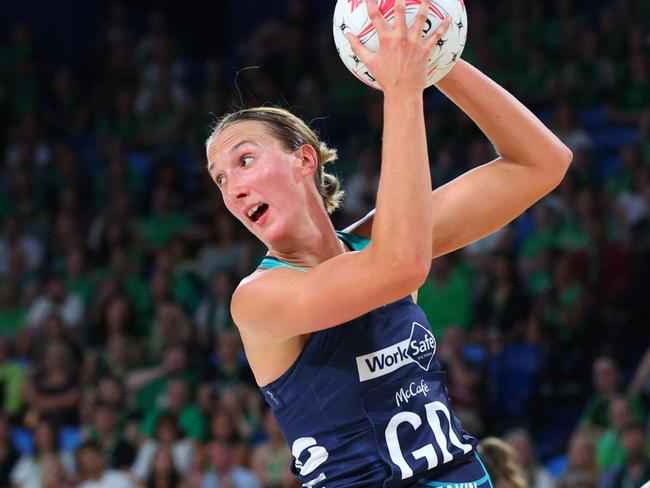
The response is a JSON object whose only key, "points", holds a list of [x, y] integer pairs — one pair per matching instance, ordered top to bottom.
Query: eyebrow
{"points": [[233, 149]]}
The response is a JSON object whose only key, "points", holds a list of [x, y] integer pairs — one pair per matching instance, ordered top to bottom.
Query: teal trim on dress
{"points": [[354, 242], [270, 263], [478, 458], [445, 484]]}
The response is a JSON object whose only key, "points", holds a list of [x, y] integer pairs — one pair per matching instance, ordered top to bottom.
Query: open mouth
{"points": [[256, 212]]}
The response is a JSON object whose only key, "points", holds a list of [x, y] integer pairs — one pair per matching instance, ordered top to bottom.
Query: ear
{"points": [[308, 159]]}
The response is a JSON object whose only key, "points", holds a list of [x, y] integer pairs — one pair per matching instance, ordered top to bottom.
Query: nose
{"points": [[236, 191]]}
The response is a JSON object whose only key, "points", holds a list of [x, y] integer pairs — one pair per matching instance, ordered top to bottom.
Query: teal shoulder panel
{"points": [[355, 242], [270, 263]]}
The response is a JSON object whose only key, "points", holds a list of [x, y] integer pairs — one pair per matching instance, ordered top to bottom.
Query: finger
{"points": [[400, 16], [421, 18], [377, 19], [439, 32], [360, 51]]}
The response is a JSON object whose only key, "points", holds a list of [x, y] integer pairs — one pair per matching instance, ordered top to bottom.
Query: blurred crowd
{"points": [[119, 362]]}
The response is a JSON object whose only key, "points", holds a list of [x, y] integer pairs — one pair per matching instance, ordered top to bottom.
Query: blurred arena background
{"points": [[117, 257]]}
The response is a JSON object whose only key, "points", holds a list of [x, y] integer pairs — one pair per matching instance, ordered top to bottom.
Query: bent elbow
{"points": [[564, 159]]}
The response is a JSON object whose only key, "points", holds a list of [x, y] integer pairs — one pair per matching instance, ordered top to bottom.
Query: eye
{"points": [[246, 160], [220, 180]]}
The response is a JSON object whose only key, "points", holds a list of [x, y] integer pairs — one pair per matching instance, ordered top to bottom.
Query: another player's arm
{"points": [[532, 163], [282, 303]]}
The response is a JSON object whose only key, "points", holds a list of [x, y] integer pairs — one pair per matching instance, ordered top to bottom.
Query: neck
{"points": [[317, 243]]}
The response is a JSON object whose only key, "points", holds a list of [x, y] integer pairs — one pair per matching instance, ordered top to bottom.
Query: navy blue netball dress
{"points": [[365, 404]]}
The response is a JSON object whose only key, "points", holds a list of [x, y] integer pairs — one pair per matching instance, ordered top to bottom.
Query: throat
{"points": [[310, 256]]}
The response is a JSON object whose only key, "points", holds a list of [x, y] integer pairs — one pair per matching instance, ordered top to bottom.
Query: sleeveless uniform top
{"points": [[365, 403]]}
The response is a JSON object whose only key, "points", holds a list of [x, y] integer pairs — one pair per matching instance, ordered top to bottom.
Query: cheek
{"points": [[281, 187]]}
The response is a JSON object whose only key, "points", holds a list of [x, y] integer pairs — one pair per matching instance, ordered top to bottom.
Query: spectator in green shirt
{"points": [[157, 229], [446, 295], [12, 313], [12, 379], [607, 383], [177, 401], [609, 449]]}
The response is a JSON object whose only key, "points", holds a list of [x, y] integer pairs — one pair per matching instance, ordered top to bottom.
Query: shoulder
{"points": [[277, 283]]}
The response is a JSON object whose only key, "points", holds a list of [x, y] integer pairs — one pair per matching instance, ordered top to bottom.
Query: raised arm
{"points": [[531, 163], [284, 303]]}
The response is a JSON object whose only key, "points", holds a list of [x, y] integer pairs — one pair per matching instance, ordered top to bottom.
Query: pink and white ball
{"points": [[352, 16]]}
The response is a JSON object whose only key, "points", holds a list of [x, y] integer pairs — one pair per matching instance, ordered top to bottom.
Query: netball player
{"points": [[343, 355]]}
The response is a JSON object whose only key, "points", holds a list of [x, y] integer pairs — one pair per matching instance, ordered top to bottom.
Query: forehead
{"points": [[224, 142]]}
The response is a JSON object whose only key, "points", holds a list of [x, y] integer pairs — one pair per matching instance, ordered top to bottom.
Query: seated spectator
{"points": [[565, 125], [165, 219], [31, 248], [224, 250], [78, 280], [445, 298], [55, 300], [504, 303], [12, 311], [212, 316], [117, 320], [170, 326], [117, 360], [227, 367], [12, 379], [463, 379], [607, 383], [148, 385], [53, 392], [111, 392], [177, 402], [244, 406], [223, 430], [167, 435], [609, 449], [118, 452], [524, 452], [8, 453], [272, 458], [499, 460], [635, 470], [28, 471], [93, 471], [582, 471], [223, 472], [163, 473], [54, 475]]}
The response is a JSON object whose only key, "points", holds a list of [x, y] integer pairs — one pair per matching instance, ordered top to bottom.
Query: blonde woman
{"points": [[342, 353], [499, 459]]}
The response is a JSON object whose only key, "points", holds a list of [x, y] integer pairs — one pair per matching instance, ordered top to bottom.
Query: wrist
{"points": [[454, 74], [403, 97]]}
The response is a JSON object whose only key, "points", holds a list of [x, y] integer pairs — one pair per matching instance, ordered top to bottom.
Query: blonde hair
{"points": [[292, 133], [500, 463]]}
